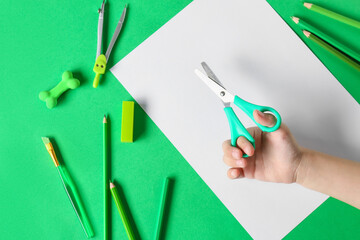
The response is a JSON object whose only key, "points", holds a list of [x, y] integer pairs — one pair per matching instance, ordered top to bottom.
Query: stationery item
{"points": [[332, 15], [306, 26], [331, 50], [101, 59], [67, 82], [127, 121], [236, 127], [105, 177], [71, 190], [163, 203], [122, 212]]}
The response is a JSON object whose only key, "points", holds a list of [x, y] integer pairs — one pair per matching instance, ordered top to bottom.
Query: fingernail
{"points": [[247, 150], [236, 154], [240, 163], [234, 174]]}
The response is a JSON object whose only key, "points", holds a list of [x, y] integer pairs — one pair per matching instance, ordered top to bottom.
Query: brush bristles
{"points": [[46, 140]]}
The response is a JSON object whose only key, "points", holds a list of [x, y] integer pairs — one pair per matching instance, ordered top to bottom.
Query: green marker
{"points": [[120, 207]]}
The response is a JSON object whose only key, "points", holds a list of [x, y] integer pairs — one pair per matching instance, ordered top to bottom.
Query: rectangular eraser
{"points": [[127, 121]]}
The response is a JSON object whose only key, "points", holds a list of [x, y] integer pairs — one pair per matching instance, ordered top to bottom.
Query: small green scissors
{"points": [[236, 127]]}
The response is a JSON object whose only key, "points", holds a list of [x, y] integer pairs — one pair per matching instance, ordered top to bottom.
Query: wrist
{"points": [[304, 166]]}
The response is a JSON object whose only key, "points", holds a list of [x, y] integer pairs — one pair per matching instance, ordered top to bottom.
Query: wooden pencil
{"points": [[333, 15], [306, 26], [332, 50], [106, 177], [120, 206], [162, 209]]}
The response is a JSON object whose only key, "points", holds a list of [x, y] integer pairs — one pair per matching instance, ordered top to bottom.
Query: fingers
{"points": [[265, 119], [245, 145], [231, 151], [233, 155], [231, 162], [234, 173]]}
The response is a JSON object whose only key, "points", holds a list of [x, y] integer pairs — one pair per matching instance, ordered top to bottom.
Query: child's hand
{"points": [[276, 158]]}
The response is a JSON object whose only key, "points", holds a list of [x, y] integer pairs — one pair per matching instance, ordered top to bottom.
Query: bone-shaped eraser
{"points": [[67, 82]]}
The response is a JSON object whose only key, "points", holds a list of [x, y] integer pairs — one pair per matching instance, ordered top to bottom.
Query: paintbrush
{"points": [[70, 189]]}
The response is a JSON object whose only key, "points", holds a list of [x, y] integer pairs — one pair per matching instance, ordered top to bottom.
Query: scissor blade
{"points": [[100, 29], [116, 33], [211, 74], [221, 92]]}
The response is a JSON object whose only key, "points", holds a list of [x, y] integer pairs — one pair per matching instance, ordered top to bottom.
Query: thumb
{"points": [[265, 119]]}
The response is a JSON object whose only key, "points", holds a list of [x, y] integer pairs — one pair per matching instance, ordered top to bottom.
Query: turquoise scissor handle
{"points": [[249, 109], [237, 129]]}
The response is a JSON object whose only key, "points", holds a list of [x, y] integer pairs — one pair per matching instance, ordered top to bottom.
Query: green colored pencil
{"points": [[332, 15], [306, 26], [332, 50], [106, 177], [120, 207], [162, 208]]}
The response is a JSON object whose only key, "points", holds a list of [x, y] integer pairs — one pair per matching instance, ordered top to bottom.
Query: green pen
{"points": [[71, 190]]}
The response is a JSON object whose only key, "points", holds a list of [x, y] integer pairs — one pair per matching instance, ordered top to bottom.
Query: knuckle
{"points": [[283, 134], [225, 145]]}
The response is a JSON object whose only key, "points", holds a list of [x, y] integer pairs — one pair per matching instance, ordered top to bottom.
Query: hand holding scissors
{"points": [[237, 129]]}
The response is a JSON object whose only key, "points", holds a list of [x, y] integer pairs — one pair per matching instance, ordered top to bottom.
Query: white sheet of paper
{"points": [[257, 57]]}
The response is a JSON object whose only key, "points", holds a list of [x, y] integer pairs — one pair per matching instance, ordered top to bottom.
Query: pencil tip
{"points": [[308, 5], [295, 19], [306, 33], [104, 119]]}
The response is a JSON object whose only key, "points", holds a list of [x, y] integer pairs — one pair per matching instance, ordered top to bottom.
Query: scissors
{"points": [[101, 59], [236, 127]]}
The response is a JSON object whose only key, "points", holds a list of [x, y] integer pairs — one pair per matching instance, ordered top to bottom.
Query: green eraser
{"points": [[67, 82], [127, 121]]}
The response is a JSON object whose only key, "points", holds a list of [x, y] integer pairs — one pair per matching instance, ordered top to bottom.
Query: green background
{"points": [[39, 41]]}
